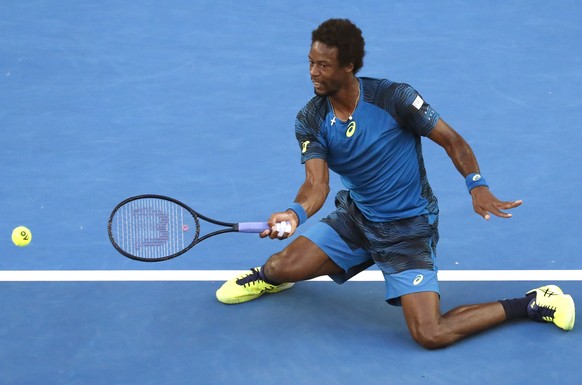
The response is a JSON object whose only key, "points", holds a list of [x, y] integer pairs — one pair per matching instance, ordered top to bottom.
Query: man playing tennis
{"points": [[369, 132]]}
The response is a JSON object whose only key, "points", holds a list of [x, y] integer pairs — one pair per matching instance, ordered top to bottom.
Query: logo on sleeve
{"points": [[418, 102], [304, 146], [417, 280]]}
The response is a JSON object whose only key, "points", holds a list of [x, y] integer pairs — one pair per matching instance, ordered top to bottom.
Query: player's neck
{"points": [[345, 101]]}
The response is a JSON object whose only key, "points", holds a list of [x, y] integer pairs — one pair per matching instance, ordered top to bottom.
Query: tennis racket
{"points": [[153, 228]]}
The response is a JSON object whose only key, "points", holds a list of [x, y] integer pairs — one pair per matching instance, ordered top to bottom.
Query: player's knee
{"points": [[282, 267], [429, 337]]}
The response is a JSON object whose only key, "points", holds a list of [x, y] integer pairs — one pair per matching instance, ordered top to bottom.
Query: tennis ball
{"points": [[21, 236]]}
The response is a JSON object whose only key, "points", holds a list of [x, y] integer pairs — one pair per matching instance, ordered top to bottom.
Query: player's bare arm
{"points": [[311, 196], [484, 202]]}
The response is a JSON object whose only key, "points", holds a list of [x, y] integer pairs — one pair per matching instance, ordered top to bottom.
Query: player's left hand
{"points": [[485, 203]]}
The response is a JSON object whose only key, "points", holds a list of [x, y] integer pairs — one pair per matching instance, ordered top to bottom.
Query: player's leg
{"points": [[319, 251], [406, 256], [300, 261], [417, 291], [432, 330]]}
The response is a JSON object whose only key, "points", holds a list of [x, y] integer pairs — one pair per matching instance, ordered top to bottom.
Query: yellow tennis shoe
{"points": [[247, 287], [550, 304]]}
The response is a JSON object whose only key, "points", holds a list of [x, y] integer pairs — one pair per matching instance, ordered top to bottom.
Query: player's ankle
{"points": [[516, 307]]}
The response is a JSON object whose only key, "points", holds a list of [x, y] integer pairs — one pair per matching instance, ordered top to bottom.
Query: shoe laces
{"points": [[251, 278], [544, 312]]}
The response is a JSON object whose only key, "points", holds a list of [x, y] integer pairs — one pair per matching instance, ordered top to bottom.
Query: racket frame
{"points": [[229, 227]]}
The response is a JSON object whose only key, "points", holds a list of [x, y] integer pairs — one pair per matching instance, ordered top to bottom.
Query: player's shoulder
{"points": [[376, 87], [387, 93], [316, 105], [313, 112]]}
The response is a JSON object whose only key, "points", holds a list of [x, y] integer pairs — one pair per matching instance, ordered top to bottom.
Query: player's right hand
{"points": [[283, 225]]}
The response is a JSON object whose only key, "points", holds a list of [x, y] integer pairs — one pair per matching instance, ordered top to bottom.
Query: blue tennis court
{"points": [[196, 100]]}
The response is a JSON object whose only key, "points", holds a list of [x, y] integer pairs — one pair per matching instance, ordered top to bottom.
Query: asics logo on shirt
{"points": [[351, 129], [304, 146], [417, 280]]}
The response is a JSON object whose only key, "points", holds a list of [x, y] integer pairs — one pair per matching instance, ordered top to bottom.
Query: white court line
{"points": [[223, 275]]}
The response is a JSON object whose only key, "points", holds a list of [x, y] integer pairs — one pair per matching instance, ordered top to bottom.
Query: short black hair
{"points": [[348, 39]]}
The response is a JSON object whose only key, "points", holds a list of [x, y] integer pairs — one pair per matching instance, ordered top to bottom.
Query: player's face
{"points": [[326, 73]]}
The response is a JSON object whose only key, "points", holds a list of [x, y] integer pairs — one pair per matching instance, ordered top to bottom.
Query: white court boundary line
{"points": [[223, 275]]}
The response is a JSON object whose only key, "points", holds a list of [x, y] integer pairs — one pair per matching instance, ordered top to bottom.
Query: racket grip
{"points": [[252, 227]]}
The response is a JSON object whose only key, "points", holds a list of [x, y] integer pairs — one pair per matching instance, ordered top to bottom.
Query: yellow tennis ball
{"points": [[21, 236]]}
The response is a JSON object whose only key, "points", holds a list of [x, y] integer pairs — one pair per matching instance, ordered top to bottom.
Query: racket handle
{"points": [[252, 227]]}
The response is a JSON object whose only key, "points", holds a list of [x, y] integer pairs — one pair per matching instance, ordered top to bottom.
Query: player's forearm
{"points": [[456, 147], [463, 158], [314, 190], [312, 196]]}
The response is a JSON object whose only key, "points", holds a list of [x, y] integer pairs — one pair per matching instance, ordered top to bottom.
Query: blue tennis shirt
{"points": [[377, 154]]}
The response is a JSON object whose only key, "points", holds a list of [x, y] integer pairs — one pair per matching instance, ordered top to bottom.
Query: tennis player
{"points": [[369, 132]]}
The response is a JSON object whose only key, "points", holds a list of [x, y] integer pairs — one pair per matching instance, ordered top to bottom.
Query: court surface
{"points": [[196, 100]]}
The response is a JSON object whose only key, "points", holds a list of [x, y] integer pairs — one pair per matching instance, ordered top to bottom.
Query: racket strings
{"points": [[154, 228]]}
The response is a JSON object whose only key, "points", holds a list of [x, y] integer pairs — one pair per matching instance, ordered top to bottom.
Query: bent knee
{"points": [[300, 260], [284, 267], [430, 338]]}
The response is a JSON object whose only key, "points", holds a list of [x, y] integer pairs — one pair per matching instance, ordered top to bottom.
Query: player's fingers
{"points": [[510, 205], [497, 208], [492, 209], [499, 213], [484, 214], [283, 229], [280, 230], [273, 232]]}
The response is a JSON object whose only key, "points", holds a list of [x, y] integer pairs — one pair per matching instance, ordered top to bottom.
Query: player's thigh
{"points": [[302, 259], [422, 312]]}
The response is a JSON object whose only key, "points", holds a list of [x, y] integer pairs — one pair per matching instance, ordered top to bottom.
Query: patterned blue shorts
{"points": [[404, 250]]}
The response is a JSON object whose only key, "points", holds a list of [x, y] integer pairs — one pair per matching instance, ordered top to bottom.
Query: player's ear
{"points": [[349, 67]]}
